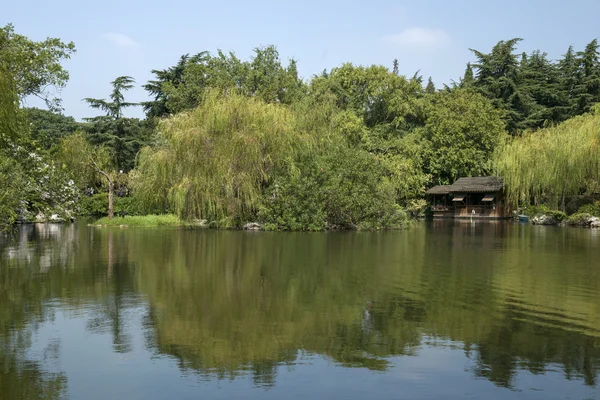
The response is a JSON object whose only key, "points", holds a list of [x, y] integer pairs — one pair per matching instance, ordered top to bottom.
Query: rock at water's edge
{"points": [[544, 220], [252, 226]]}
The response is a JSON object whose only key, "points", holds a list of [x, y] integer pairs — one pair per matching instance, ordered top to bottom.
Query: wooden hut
{"points": [[476, 197], [440, 201]]}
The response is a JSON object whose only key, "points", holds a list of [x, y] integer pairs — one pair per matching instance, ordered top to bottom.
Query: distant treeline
{"points": [[232, 141]]}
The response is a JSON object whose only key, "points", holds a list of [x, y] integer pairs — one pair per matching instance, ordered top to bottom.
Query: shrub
{"points": [[346, 189], [296, 201], [97, 205], [94, 206], [417, 207], [592, 209], [532, 211], [557, 215], [579, 219]]}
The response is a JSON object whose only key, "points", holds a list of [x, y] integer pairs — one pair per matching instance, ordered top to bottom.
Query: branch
{"points": [[106, 175]]}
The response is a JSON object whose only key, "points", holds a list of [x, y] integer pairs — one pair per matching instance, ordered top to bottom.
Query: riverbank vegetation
{"points": [[232, 141], [550, 164], [146, 220]]}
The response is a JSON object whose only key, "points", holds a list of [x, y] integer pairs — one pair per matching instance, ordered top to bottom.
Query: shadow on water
{"points": [[223, 304]]}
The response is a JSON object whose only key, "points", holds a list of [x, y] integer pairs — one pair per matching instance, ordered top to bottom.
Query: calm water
{"points": [[444, 310]]}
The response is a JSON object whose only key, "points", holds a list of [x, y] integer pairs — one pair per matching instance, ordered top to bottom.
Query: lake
{"points": [[444, 310]]}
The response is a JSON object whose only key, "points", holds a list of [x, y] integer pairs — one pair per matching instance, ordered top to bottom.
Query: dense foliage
{"points": [[35, 66], [532, 90], [462, 132], [232, 141], [550, 164]]}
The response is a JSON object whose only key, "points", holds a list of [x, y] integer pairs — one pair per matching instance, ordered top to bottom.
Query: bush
{"points": [[347, 189], [296, 202], [573, 203], [97, 205], [94, 206], [417, 208], [592, 209], [532, 211], [557, 215], [579, 219]]}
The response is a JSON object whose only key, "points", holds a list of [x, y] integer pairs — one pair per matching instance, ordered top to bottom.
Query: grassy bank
{"points": [[146, 220]]}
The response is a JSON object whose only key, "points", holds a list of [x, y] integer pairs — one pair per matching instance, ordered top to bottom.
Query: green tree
{"points": [[35, 66], [568, 70], [172, 75], [468, 78], [498, 78], [542, 82], [183, 86], [588, 87], [430, 88], [375, 94], [115, 108], [11, 128], [46, 128], [462, 131], [122, 136], [218, 158], [86, 161], [552, 163], [11, 176], [12, 182]]}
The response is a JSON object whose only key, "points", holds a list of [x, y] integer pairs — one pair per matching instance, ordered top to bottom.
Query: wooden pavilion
{"points": [[476, 197]]}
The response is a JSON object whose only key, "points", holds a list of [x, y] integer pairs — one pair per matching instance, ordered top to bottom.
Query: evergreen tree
{"points": [[568, 70], [173, 75], [468, 78], [498, 78], [540, 80], [430, 88], [588, 88], [114, 108], [46, 128], [124, 137]]}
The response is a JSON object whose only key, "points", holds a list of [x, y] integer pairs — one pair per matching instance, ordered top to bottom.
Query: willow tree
{"points": [[10, 124], [216, 159], [88, 162], [552, 163], [12, 179]]}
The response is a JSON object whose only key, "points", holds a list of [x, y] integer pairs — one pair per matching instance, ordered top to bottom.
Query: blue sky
{"points": [[132, 37]]}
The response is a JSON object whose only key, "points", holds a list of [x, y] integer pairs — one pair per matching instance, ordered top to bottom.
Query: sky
{"points": [[132, 37]]}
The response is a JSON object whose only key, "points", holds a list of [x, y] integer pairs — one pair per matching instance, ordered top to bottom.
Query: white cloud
{"points": [[419, 37], [121, 40]]}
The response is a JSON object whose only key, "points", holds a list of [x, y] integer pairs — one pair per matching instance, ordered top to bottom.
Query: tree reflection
{"points": [[226, 304], [22, 376]]}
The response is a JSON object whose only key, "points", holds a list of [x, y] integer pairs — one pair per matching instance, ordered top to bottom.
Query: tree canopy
{"points": [[35, 66], [232, 140], [554, 162]]}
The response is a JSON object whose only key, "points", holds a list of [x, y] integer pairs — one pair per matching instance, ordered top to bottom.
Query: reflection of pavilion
{"points": [[477, 197]]}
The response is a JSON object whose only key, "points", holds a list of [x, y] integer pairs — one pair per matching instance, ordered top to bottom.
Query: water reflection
{"points": [[512, 298]]}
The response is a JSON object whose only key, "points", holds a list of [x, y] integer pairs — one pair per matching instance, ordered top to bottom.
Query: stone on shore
{"points": [[544, 220], [252, 226]]}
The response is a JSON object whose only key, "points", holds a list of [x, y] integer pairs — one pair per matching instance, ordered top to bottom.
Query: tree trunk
{"points": [[562, 201], [111, 209], [111, 258]]}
